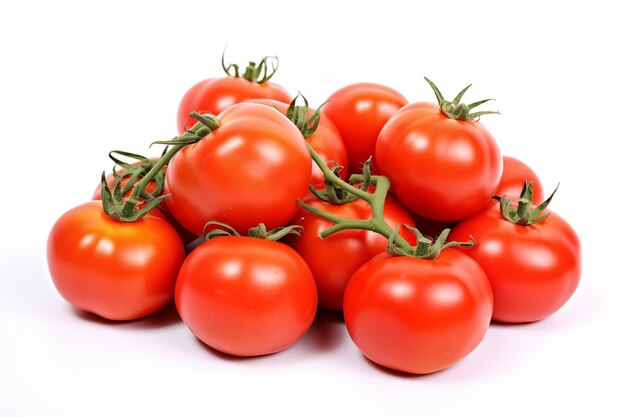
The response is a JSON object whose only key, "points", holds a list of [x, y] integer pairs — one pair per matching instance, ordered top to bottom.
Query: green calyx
{"points": [[256, 73], [455, 109], [299, 116], [334, 193], [140, 202], [523, 213], [259, 232], [425, 248]]}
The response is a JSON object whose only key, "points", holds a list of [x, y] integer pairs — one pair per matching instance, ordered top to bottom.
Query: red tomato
{"points": [[215, 95], [359, 111], [326, 141], [440, 168], [250, 170], [514, 173], [335, 258], [117, 270], [533, 270], [246, 296], [418, 315]]}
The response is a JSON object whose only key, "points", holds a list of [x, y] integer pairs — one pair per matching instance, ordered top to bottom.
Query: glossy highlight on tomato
{"points": [[326, 141], [440, 168], [250, 170], [117, 270], [533, 270], [246, 296], [418, 315]]}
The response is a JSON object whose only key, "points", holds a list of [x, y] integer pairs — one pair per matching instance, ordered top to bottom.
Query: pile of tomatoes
{"points": [[403, 216]]}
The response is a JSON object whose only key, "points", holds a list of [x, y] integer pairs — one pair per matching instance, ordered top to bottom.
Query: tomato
{"points": [[214, 95], [359, 111], [326, 141], [440, 168], [250, 170], [514, 173], [335, 258], [533, 269], [117, 270], [246, 296], [418, 315]]}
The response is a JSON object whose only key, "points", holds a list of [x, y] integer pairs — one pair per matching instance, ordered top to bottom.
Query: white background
{"points": [[78, 79]]}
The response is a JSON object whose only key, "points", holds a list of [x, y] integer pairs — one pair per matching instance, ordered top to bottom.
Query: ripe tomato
{"points": [[214, 95], [359, 111], [326, 141], [440, 168], [250, 170], [514, 173], [335, 258], [533, 269], [117, 270], [246, 296], [418, 315]]}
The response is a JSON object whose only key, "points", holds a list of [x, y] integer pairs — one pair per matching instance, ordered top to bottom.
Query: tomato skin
{"points": [[215, 95], [359, 112], [326, 141], [440, 168], [250, 170], [514, 173], [334, 259], [117, 270], [533, 270], [246, 296], [417, 315]]}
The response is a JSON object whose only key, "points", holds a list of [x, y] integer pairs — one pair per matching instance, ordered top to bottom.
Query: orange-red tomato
{"points": [[215, 95], [359, 111], [326, 141], [440, 168], [250, 170], [514, 173], [117, 270], [533, 270], [246, 296], [418, 315]]}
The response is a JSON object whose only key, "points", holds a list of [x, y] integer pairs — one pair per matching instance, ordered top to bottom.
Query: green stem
{"points": [[376, 201], [125, 209], [425, 248]]}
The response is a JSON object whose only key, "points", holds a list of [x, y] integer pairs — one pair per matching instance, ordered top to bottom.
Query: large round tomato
{"points": [[215, 95], [359, 111], [326, 141], [440, 168], [250, 170], [514, 174], [335, 258], [533, 269], [117, 270], [246, 296], [418, 315]]}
